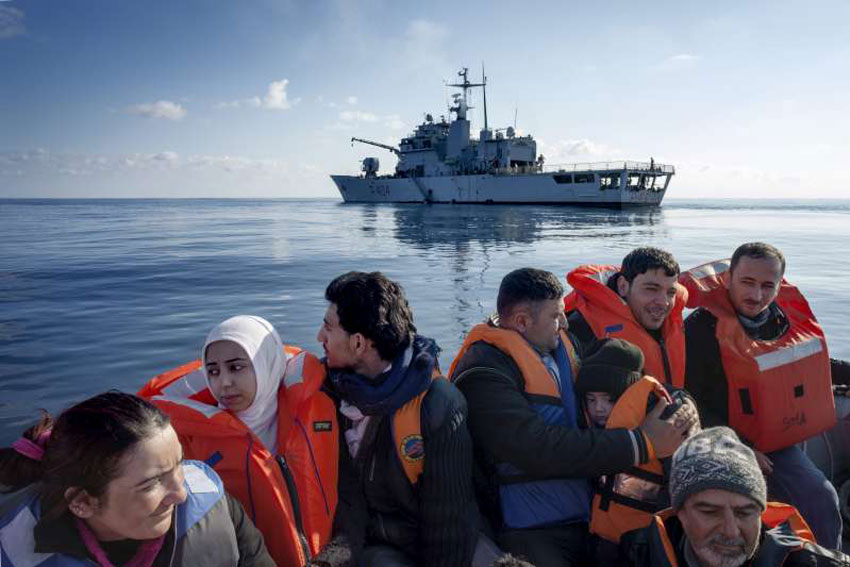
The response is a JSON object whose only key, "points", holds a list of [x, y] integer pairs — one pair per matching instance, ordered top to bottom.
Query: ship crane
{"points": [[371, 143]]}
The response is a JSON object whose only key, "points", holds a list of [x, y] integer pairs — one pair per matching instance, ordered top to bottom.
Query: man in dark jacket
{"points": [[754, 277], [379, 367], [534, 462], [720, 516]]}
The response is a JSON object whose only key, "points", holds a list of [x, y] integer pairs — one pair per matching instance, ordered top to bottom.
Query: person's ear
{"points": [[622, 286], [522, 320], [356, 342], [360, 343], [81, 503]]}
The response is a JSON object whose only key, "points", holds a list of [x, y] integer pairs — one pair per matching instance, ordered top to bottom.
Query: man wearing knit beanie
{"points": [[718, 495]]}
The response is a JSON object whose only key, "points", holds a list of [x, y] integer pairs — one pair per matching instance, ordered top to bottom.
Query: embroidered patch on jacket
{"points": [[320, 426], [413, 448]]}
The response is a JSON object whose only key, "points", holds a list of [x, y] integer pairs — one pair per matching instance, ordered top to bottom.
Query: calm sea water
{"points": [[98, 294]]}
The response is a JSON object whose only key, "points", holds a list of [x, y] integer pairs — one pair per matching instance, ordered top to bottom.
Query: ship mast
{"points": [[466, 85], [484, 88]]}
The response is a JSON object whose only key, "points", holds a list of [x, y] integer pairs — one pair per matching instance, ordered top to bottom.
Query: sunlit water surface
{"points": [[105, 294]]}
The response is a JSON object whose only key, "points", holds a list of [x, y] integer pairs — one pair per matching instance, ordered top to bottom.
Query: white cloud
{"points": [[11, 22], [678, 61], [276, 98], [351, 100], [159, 109], [357, 116], [565, 151], [166, 157], [43, 162], [157, 174]]}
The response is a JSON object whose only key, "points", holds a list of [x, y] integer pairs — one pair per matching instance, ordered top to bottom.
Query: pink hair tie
{"points": [[28, 449], [33, 449]]}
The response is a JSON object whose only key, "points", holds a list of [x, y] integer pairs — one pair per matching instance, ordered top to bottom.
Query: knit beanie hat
{"points": [[611, 366], [715, 458]]}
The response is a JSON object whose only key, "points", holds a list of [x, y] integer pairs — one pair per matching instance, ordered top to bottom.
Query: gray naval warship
{"points": [[441, 163]]}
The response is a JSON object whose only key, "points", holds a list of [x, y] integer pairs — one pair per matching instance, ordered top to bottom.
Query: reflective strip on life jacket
{"points": [[710, 270], [608, 315], [789, 354], [779, 391], [207, 410], [628, 500], [776, 514]]}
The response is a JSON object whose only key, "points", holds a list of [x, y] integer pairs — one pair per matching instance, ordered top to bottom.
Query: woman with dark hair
{"points": [[106, 484]]}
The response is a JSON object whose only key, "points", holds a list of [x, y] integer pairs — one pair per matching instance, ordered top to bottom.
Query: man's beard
{"points": [[711, 558]]}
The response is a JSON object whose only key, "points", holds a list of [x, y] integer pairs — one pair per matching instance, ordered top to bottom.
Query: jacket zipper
{"points": [[296, 504]]}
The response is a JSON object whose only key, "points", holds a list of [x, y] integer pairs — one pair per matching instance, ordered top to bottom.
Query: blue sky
{"points": [[196, 98]]}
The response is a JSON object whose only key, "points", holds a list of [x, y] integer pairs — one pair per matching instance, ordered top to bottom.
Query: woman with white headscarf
{"points": [[244, 364], [254, 410]]}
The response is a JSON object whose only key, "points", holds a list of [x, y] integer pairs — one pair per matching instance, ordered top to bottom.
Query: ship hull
{"points": [[540, 188]]}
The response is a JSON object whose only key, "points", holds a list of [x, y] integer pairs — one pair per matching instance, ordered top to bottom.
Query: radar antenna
{"points": [[466, 85]]}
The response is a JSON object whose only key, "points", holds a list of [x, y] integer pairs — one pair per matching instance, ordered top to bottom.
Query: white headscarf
{"points": [[263, 346]]}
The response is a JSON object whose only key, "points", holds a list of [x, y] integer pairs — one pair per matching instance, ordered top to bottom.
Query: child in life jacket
{"points": [[607, 371], [613, 392]]}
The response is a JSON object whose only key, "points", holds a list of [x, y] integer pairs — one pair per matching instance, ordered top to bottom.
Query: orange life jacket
{"points": [[609, 316], [522, 353], [780, 391], [291, 497], [627, 501], [776, 516]]}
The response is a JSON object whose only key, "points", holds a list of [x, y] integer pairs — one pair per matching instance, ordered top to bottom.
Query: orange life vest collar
{"points": [[610, 316], [535, 375], [780, 391], [777, 515]]}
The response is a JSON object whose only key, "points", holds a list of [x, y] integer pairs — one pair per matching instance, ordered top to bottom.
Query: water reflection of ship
{"points": [[440, 225], [468, 234]]}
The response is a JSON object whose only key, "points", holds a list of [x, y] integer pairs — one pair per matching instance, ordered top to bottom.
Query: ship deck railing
{"points": [[637, 166]]}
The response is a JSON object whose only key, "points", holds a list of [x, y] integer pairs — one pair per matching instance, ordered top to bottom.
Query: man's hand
{"points": [[697, 426], [667, 434], [765, 464]]}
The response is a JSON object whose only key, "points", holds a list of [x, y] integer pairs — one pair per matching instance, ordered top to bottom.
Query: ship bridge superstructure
{"points": [[438, 148]]}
